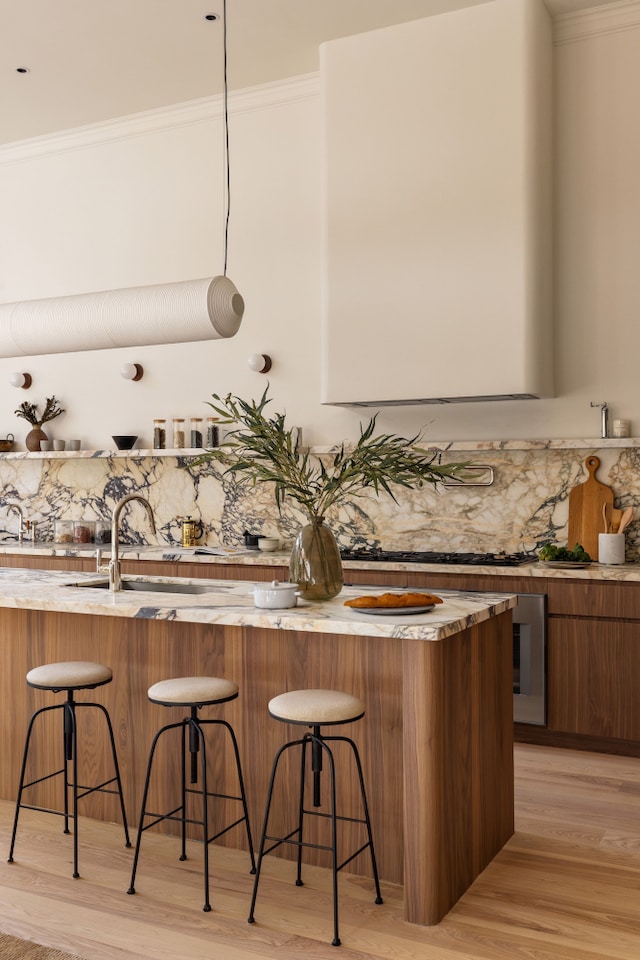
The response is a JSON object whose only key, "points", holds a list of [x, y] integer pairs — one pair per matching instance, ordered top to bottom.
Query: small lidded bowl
{"points": [[268, 544], [275, 595]]}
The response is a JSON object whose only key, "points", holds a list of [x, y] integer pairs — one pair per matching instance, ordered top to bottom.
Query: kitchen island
{"points": [[436, 740]]}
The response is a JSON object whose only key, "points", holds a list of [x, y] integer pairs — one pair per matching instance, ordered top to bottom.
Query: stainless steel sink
{"points": [[148, 586]]}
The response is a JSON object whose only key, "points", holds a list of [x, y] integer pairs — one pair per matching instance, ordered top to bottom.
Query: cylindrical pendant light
{"points": [[182, 312]]}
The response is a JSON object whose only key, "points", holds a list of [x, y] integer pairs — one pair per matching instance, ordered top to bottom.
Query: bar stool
{"points": [[70, 676], [193, 692], [316, 708]]}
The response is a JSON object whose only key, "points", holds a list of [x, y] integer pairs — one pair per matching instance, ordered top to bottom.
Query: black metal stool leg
{"points": [[186, 733], [197, 742], [68, 751], [71, 756], [303, 766], [116, 767], [23, 770], [243, 795], [143, 807], [365, 807], [265, 824], [334, 844]]}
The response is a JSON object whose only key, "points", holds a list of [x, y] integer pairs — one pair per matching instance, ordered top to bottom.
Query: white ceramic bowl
{"points": [[268, 544], [275, 595]]}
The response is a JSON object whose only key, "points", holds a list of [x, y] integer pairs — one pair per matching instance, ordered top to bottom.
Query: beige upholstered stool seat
{"points": [[69, 675], [192, 691], [313, 707]]}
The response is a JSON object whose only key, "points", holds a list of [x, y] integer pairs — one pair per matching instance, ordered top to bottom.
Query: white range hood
{"points": [[437, 209]]}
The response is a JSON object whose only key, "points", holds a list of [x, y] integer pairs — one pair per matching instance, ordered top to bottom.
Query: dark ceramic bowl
{"points": [[124, 443]]}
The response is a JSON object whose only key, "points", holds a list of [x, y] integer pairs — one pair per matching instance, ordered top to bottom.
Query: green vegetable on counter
{"points": [[578, 555]]}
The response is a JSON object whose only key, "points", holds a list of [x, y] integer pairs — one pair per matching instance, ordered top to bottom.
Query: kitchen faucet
{"points": [[604, 418], [18, 510], [115, 579]]}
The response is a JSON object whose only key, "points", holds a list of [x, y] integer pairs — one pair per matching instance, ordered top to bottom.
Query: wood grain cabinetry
{"points": [[593, 639]]}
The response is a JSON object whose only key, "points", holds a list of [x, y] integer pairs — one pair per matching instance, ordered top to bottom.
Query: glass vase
{"points": [[315, 563]]}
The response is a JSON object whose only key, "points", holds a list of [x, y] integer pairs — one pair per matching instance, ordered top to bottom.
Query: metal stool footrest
{"points": [[193, 737], [318, 744], [69, 772]]}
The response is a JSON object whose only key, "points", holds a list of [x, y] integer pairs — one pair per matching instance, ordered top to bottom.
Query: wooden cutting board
{"points": [[586, 501]]}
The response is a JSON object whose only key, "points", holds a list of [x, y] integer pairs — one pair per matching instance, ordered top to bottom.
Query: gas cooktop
{"points": [[426, 556]]}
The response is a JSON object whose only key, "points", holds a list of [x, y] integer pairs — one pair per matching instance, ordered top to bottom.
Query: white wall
{"points": [[141, 202]]}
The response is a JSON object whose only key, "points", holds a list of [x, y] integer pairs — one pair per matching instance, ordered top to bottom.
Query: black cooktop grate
{"points": [[427, 556]]}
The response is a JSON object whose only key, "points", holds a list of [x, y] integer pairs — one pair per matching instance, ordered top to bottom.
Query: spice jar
{"points": [[196, 432], [212, 432], [178, 433], [159, 434], [63, 531], [84, 531], [102, 532]]}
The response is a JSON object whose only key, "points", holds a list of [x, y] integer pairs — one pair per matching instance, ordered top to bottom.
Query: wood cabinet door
{"points": [[594, 677]]}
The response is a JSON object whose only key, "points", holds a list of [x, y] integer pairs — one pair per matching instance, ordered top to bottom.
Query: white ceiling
{"points": [[90, 61]]}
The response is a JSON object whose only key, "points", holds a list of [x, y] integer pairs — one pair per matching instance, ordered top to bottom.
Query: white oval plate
{"points": [[392, 611]]}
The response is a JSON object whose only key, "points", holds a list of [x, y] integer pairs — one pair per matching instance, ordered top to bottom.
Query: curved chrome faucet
{"points": [[18, 509], [115, 579]]}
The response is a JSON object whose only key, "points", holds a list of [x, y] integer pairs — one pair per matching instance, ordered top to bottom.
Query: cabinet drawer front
{"points": [[594, 599]]}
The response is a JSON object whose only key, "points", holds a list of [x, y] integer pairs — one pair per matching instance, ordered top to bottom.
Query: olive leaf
{"points": [[260, 448]]}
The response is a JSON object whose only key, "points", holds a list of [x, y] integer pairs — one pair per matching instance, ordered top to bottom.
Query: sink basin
{"points": [[149, 586]]}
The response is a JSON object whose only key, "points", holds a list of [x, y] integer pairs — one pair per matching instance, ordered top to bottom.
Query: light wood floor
{"points": [[566, 887]]}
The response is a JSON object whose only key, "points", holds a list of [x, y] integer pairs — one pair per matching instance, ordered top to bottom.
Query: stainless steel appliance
{"points": [[529, 623], [529, 659]]}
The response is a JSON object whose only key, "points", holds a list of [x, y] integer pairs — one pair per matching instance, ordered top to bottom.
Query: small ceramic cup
{"points": [[58, 444], [73, 444], [46, 445], [268, 544], [611, 548]]}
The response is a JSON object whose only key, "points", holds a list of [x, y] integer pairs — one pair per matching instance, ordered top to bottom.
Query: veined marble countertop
{"points": [[175, 554], [231, 603]]}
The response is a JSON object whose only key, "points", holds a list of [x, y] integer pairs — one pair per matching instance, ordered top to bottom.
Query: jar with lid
{"points": [[196, 432], [178, 433], [159, 434], [213, 437], [63, 531], [84, 531], [102, 532]]}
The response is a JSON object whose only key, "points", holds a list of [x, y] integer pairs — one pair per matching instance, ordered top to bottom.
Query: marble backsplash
{"points": [[526, 505]]}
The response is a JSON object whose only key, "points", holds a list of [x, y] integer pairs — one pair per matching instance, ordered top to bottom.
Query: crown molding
{"points": [[596, 22], [204, 110]]}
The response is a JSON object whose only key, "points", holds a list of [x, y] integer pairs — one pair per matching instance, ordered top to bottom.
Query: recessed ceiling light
{"points": [[211, 16], [22, 70]]}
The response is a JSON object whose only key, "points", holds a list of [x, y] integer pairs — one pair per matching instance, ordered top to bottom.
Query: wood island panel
{"points": [[436, 740]]}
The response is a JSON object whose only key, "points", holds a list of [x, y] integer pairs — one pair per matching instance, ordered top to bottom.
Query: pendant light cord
{"points": [[226, 134]]}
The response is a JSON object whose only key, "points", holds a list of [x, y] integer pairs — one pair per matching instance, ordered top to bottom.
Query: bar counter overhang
{"points": [[436, 740]]}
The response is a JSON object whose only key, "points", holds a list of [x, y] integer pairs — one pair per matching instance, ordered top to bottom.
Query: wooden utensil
{"points": [[586, 503], [615, 516], [625, 520]]}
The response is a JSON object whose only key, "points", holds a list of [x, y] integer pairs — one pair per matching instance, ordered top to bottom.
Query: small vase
{"points": [[34, 437], [315, 563]]}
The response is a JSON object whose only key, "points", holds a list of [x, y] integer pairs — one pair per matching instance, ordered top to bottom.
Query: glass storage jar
{"points": [[196, 432], [178, 433], [159, 434], [213, 436], [63, 531], [84, 531], [102, 532]]}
